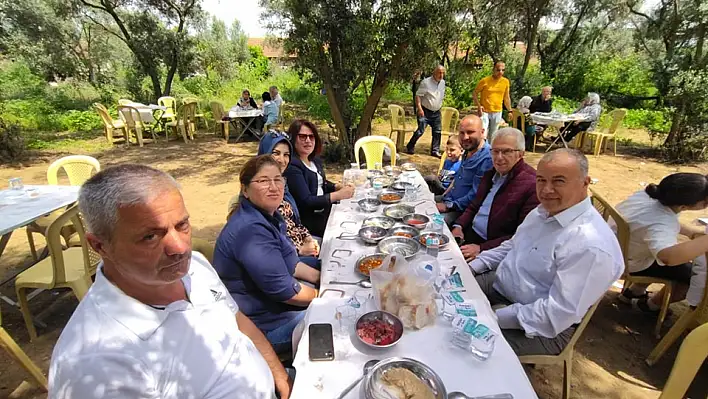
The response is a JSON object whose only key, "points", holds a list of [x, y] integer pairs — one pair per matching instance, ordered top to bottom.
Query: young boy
{"points": [[438, 184]]}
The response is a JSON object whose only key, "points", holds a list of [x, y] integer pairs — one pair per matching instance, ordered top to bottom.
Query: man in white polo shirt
{"points": [[428, 101], [157, 322]]}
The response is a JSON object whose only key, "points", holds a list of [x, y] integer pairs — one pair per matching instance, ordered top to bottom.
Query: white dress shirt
{"points": [[431, 93], [278, 100], [652, 226], [553, 269], [117, 347]]}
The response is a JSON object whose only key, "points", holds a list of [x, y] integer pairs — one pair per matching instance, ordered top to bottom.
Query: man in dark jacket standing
{"points": [[505, 196]]}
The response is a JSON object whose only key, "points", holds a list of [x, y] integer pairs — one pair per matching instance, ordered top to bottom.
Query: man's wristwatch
{"points": [[449, 204]]}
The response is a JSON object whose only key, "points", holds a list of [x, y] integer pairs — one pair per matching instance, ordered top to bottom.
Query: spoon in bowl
{"points": [[367, 367], [460, 395]]}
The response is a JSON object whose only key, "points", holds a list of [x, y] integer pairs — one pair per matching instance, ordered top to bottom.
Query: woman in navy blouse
{"points": [[307, 181], [258, 263]]}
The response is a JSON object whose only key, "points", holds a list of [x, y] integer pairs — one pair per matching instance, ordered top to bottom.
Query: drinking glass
{"points": [[16, 183]]}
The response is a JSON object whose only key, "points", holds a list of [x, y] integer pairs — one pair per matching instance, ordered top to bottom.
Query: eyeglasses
{"points": [[305, 137], [504, 152], [265, 182]]}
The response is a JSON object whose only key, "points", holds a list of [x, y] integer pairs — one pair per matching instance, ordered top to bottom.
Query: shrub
{"points": [[652, 120], [80, 121], [12, 145]]}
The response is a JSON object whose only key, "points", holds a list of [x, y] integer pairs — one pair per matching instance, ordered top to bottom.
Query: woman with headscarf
{"points": [[590, 107]]}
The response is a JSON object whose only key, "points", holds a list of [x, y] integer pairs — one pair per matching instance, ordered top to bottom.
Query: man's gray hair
{"points": [[273, 88], [511, 132], [579, 157], [103, 194]]}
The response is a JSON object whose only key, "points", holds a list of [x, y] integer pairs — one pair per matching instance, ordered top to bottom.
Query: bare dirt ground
{"points": [[609, 361]]}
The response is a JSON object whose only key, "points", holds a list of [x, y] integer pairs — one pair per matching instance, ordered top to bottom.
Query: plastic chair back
{"points": [[124, 101], [168, 102], [217, 110], [103, 113], [130, 116], [517, 116], [450, 117], [189, 118], [617, 118], [398, 120], [373, 147], [78, 169], [609, 212], [55, 246], [690, 357]]}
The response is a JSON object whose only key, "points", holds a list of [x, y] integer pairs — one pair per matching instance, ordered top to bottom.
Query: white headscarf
{"points": [[593, 98], [524, 104]]}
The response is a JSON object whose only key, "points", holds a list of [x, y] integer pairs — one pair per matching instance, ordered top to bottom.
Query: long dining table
{"points": [[459, 370]]}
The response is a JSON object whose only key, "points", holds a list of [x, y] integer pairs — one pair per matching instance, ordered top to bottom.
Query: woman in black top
{"points": [[307, 181]]}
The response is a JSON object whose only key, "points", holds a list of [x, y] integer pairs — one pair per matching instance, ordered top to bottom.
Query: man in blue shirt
{"points": [[476, 161]]}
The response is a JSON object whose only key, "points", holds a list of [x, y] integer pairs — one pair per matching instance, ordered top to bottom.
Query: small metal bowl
{"points": [[408, 167], [374, 173], [401, 185], [390, 196], [369, 204], [398, 211], [416, 220], [380, 221], [398, 231], [372, 234], [443, 239], [393, 245], [365, 258], [383, 316], [372, 381]]}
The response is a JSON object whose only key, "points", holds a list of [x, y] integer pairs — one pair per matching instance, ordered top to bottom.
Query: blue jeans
{"points": [[433, 119], [282, 337]]}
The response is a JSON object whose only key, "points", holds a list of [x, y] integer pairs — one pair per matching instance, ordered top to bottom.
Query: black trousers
{"points": [[572, 130]]}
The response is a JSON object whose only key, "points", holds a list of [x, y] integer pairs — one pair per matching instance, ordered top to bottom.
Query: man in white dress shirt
{"points": [[275, 96], [428, 101], [561, 261], [157, 322]]}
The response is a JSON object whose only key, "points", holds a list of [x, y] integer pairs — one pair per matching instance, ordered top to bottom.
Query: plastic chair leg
{"points": [[614, 141], [30, 241], [81, 287], [668, 288], [26, 314], [671, 336], [21, 357], [567, 373]]}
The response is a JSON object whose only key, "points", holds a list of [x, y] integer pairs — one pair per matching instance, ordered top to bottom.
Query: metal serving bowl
{"points": [[408, 167], [374, 173], [401, 185], [390, 193], [369, 204], [398, 211], [416, 220], [380, 221], [396, 232], [368, 234], [443, 239], [393, 245], [365, 258], [386, 317], [372, 383]]}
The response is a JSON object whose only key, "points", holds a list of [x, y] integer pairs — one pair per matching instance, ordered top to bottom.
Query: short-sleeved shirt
{"points": [[492, 92], [431, 93], [270, 112], [447, 173], [653, 227], [256, 261], [117, 347]]}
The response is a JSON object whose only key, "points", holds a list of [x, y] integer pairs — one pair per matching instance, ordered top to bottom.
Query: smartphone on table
{"points": [[321, 342]]}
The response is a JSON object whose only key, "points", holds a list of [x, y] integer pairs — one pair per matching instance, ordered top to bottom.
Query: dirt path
{"points": [[609, 361]]}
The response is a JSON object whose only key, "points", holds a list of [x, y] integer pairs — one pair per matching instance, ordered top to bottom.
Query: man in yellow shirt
{"points": [[493, 90]]}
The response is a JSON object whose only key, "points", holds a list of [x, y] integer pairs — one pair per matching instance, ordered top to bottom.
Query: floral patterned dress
{"points": [[297, 233]]}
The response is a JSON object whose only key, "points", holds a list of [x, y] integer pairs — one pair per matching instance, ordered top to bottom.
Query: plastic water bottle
{"points": [[438, 224], [432, 242], [473, 337]]}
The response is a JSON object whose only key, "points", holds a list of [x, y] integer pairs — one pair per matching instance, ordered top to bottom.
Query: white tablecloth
{"points": [[147, 111], [244, 113], [555, 118], [17, 209], [459, 370]]}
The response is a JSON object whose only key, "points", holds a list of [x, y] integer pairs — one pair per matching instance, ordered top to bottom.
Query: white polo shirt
{"points": [[431, 93], [652, 228], [117, 347]]}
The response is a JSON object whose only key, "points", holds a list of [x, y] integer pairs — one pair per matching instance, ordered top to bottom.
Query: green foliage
{"points": [[259, 63], [80, 121], [654, 121]]}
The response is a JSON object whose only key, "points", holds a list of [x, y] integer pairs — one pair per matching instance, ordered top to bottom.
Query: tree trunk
{"points": [[530, 40], [156, 85], [377, 90], [674, 134]]}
